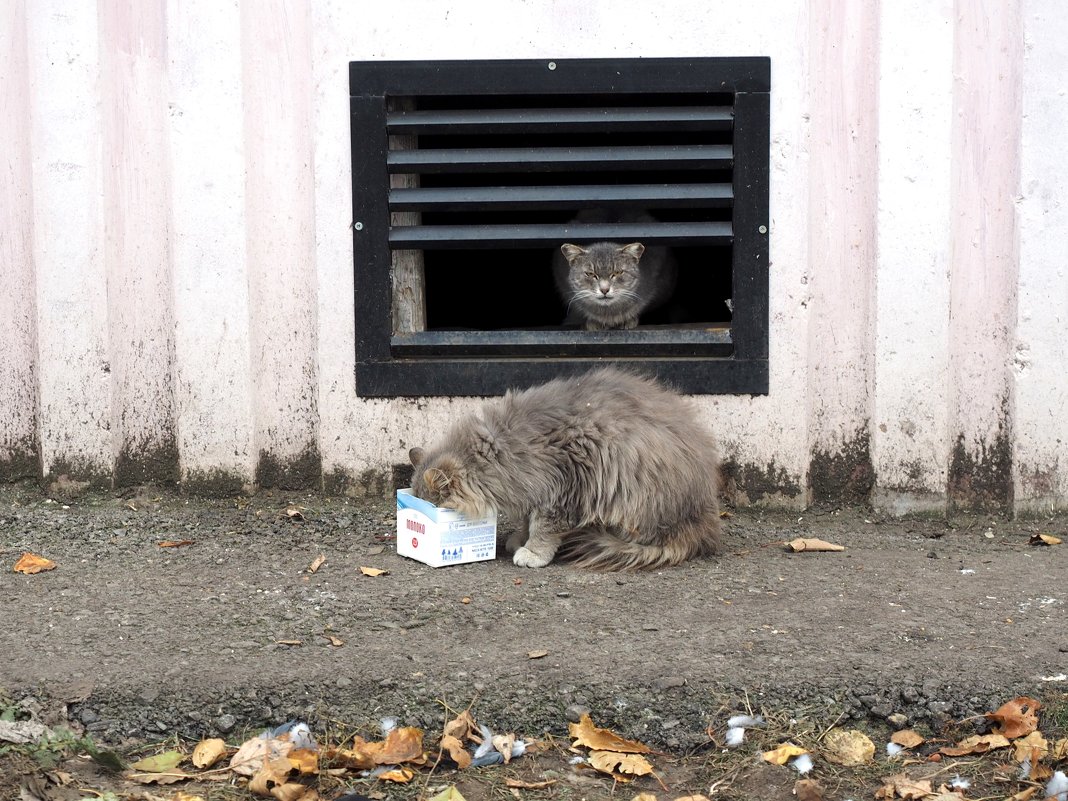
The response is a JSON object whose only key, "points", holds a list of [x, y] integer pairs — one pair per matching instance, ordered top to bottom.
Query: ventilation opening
{"points": [[467, 179]]}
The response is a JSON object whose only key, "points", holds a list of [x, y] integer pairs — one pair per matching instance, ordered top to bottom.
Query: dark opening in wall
{"points": [[467, 177]]}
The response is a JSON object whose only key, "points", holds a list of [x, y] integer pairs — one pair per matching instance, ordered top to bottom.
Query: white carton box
{"points": [[439, 537]]}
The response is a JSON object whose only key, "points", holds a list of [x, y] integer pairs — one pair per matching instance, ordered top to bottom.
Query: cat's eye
{"points": [[590, 274], [616, 274]]}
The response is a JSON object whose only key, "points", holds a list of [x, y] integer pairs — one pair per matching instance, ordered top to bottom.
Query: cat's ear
{"points": [[634, 250], [571, 252], [416, 456]]}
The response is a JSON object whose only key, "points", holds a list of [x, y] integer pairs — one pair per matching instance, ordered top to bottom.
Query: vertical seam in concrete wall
{"points": [[278, 126], [843, 136], [137, 239], [983, 287], [19, 400]]}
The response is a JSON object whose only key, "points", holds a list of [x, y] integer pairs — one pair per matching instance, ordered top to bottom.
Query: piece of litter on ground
{"points": [[966, 571], [1058, 677], [744, 721], [735, 736], [893, 749], [802, 764], [1058, 786]]}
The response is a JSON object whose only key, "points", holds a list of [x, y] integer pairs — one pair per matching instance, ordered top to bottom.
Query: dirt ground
{"points": [[132, 643]]}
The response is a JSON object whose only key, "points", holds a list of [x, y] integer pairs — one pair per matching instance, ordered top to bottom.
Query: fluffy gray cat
{"points": [[608, 284], [610, 470]]}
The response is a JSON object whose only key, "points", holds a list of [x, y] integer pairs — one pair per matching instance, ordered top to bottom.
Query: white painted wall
{"points": [[177, 262]]}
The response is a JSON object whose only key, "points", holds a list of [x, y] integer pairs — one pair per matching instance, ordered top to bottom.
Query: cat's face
{"points": [[604, 273], [442, 480]]}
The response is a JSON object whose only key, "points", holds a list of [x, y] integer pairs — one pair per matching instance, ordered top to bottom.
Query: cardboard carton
{"points": [[439, 537]]}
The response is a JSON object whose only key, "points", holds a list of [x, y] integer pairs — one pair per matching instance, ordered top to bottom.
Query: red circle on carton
{"points": [[415, 542]]}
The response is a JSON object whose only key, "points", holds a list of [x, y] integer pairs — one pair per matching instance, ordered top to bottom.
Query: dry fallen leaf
{"points": [[294, 512], [1044, 539], [174, 543], [812, 544], [318, 562], [30, 563], [373, 571], [288, 642], [337, 642], [537, 654], [1017, 717], [462, 726], [593, 737], [906, 738], [502, 744], [977, 744], [401, 745], [848, 747], [1025, 747], [1060, 749], [456, 751], [208, 752], [783, 754], [250, 757], [351, 758], [304, 761], [615, 763], [270, 775], [398, 775], [170, 777], [519, 784], [901, 786], [808, 790], [294, 791], [450, 793], [1024, 795], [644, 797]]}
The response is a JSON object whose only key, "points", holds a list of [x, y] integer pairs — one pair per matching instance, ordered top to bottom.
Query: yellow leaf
{"points": [[1044, 539], [812, 544], [318, 562], [30, 563], [373, 571], [1016, 717], [906, 738], [598, 739], [977, 744], [401, 745], [848, 747], [1023, 748], [1060, 749], [208, 752], [783, 754], [355, 758], [304, 761], [160, 763], [614, 763], [399, 775], [170, 777], [901, 786], [293, 791], [450, 793], [1024, 795], [644, 797]]}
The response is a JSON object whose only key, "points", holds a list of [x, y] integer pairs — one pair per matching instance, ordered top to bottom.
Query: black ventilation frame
{"points": [[725, 95]]}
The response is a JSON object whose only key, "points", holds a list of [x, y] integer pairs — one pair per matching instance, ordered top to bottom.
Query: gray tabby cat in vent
{"points": [[611, 284]]}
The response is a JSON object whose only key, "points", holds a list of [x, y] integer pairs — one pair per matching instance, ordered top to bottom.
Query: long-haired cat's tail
{"points": [[599, 548]]}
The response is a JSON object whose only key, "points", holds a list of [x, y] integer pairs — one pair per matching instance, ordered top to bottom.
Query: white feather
{"points": [[744, 721], [387, 725], [735, 736], [487, 741], [893, 749], [802, 764], [959, 783], [1058, 786]]}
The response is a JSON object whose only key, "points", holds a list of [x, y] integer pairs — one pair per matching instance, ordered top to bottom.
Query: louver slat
{"points": [[560, 120], [557, 159], [561, 197], [522, 236]]}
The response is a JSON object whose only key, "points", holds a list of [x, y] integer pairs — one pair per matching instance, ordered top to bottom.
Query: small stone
{"points": [[563, 595], [650, 627], [1063, 648], [343, 681], [669, 682], [149, 694], [910, 695], [940, 707], [881, 710], [575, 712], [88, 716], [897, 720], [225, 723]]}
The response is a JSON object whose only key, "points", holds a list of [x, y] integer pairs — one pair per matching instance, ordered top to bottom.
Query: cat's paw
{"points": [[515, 541], [525, 557]]}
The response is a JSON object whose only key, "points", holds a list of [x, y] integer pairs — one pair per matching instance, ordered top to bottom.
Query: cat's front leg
{"points": [[546, 531], [519, 536]]}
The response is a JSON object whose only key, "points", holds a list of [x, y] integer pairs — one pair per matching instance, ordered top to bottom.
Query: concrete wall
{"points": [[177, 261]]}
